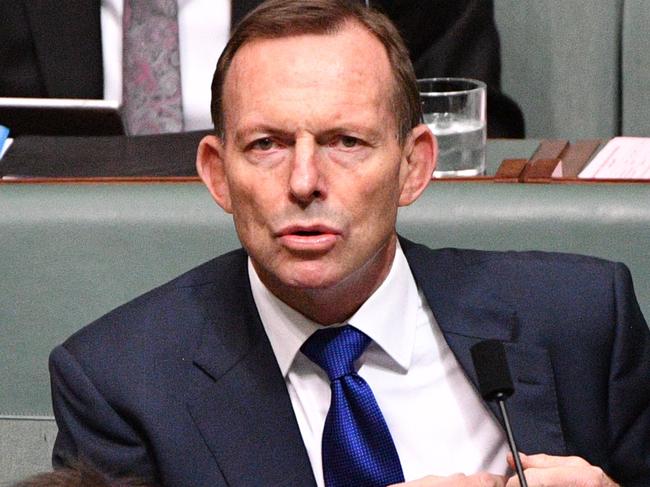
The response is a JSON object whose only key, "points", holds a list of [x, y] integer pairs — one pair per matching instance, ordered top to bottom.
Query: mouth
{"points": [[307, 233], [308, 238]]}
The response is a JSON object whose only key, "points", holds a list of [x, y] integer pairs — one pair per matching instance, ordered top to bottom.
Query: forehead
{"points": [[349, 67]]}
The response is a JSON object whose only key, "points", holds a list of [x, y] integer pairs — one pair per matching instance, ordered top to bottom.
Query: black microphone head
{"points": [[492, 370]]}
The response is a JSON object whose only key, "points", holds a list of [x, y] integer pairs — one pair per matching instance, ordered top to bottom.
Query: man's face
{"points": [[311, 167]]}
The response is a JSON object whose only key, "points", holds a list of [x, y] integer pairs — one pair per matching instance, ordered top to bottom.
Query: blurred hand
{"points": [[553, 471], [458, 480]]}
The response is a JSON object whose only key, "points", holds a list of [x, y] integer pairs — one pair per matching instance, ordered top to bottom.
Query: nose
{"points": [[306, 178]]}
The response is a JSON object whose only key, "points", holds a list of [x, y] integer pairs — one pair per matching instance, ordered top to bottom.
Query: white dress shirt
{"points": [[203, 29], [437, 420]]}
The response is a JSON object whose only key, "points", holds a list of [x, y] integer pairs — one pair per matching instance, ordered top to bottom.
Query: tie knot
{"points": [[335, 349]]}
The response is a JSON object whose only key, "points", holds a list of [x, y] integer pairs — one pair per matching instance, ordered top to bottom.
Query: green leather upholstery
{"points": [[561, 62], [636, 68], [578, 69], [72, 252], [25, 447]]}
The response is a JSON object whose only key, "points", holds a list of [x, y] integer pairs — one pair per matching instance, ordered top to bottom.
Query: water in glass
{"points": [[461, 145]]}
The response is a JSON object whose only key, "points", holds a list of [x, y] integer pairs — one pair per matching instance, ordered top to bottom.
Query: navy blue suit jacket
{"points": [[181, 384]]}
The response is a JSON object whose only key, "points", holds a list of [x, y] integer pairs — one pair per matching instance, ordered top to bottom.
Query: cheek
{"points": [[249, 186], [380, 186], [256, 199], [373, 204], [247, 207]]}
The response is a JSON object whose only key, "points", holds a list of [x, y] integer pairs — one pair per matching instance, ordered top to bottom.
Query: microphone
{"points": [[495, 384]]}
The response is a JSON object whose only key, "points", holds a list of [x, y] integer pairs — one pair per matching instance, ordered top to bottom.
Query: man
{"points": [[73, 49], [214, 379]]}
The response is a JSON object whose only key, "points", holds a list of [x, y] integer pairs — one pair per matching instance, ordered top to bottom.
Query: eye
{"points": [[349, 141], [345, 142], [263, 144]]}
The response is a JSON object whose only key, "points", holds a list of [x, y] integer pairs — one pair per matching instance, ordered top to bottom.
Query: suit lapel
{"points": [[67, 40], [469, 307], [240, 404]]}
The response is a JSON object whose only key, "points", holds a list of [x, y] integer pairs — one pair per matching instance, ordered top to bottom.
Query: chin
{"points": [[315, 274], [311, 280]]}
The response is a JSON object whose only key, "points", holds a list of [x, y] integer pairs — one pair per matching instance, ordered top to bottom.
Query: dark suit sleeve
{"points": [[458, 38], [51, 49], [19, 73], [629, 388], [89, 427]]}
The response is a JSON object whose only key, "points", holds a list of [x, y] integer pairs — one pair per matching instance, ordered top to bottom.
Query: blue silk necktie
{"points": [[357, 447]]}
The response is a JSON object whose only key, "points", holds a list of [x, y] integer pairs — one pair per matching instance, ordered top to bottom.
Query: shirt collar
{"points": [[388, 317]]}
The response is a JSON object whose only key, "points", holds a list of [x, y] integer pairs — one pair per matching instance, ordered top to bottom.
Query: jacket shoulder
{"points": [[171, 313]]}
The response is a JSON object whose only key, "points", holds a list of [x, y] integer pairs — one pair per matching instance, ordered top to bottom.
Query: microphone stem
{"points": [[511, 443]]}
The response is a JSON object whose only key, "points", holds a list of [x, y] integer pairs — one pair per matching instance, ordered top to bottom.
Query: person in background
{"points": [[74, 50], [330, 351], [78, 475]]}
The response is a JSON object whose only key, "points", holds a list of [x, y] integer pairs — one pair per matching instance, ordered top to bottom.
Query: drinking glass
{"points": [[454, 109]]}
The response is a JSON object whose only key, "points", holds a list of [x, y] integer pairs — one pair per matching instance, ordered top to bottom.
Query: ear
{"points": [[419, 161], [210, 167]]}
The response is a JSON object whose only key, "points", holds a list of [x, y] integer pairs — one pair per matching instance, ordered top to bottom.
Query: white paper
{"points": [[621, 158]]}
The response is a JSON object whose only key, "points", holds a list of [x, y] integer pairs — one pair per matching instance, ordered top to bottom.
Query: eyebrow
{"points": [[246, 132], [370, 133]]}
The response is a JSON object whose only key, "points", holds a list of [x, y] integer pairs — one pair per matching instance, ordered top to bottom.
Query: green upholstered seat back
{"points": [[560, 62], [578, 69], [635, 69]]}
